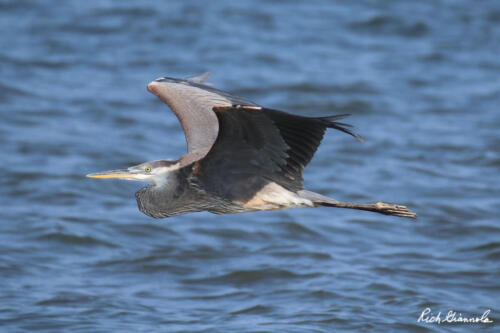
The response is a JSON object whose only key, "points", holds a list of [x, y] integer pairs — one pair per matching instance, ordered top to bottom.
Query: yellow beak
{"points": [[120, 173]]}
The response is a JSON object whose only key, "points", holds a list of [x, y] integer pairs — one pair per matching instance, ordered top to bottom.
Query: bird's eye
{"points": [[148, 169]]}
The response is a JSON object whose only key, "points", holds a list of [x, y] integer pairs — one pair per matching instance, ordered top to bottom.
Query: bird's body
{"points": [[241, 157]]}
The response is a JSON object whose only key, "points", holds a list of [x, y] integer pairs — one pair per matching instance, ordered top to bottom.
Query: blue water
{"points": [[421, 80]]}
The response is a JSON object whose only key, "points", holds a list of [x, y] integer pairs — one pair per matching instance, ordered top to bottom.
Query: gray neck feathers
{"points": [[174, 197]]}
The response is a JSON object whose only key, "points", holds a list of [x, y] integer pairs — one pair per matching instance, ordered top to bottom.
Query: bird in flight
{"points": [[241, 157]]}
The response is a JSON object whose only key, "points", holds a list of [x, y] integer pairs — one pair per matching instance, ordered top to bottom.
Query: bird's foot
{"points": [[396, 210]]}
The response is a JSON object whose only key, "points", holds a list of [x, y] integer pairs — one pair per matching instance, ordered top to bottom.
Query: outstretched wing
{"points": [[192, 102], [256, 146]]}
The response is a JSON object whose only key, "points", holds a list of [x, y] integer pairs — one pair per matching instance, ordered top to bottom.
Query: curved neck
{"points": [[173, 197]]}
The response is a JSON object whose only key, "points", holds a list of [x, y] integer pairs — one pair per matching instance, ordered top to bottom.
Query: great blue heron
{"points": [[241, 157]]}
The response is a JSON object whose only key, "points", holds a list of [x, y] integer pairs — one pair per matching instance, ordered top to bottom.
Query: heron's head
{"points": [[153, 172]]}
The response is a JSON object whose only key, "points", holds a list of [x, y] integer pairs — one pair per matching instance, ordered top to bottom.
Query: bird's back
{"points": [[256, 147]]}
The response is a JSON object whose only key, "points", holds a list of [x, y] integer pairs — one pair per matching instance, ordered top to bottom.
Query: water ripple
{"points": [[420, 80], [248, 277]]}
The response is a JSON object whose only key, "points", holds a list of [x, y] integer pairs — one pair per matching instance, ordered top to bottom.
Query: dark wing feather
{"points": [[192, 101], [303, 136], [256, 146]]}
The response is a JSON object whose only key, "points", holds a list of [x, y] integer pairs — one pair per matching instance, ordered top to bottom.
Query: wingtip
{"points": [[200, 78], [338, 116], [332, 122], [359, 137]]}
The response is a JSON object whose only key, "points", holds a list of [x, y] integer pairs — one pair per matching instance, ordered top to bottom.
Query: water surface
{"points": [[421, 80]]}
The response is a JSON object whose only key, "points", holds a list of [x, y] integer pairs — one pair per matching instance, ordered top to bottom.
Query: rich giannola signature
{"points": [[427, 316]]}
